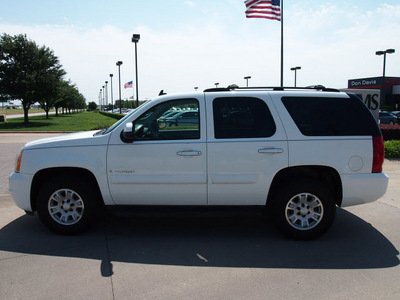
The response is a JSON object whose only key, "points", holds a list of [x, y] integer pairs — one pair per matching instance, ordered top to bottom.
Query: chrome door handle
{"points": [[270, 150], [189, 153]]}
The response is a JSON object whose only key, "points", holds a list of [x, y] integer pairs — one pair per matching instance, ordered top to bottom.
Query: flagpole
{"points": [[259, 9], [281, 43]]}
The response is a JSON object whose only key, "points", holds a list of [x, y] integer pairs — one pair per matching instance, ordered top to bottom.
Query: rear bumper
{"points": [[363, 188], [20, 190]]}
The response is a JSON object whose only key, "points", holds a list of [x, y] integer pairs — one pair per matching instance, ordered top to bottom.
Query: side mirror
{"points": [[127, 135]]}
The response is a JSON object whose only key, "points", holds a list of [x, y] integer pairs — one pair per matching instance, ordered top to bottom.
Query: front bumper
{"points": [[20, 190]]}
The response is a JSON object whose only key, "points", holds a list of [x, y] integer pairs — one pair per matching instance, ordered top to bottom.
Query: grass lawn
{"points": [[9, 112], [82, 121]]}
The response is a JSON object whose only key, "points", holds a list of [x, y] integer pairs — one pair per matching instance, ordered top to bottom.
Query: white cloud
{"points": [[190, 3], [339, 44], [331, 45]]}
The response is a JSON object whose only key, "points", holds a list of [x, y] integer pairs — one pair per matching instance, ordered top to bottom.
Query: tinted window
{"points": [[317, 116], [242, 117], [171, 120]]}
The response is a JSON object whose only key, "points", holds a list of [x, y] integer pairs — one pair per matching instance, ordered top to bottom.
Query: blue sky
{"points": [[197, 43]]}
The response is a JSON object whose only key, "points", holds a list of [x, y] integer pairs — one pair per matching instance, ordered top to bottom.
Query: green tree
{"points": [[28, 72], [49, 79], [63, 95], [70, 98], [92, 105]]}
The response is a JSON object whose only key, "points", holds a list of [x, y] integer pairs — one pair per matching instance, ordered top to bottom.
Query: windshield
{"points": [[116, 124], [112, 127]]}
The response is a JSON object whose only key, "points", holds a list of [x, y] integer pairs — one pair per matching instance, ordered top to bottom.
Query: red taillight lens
{"points": [[379, 154]]}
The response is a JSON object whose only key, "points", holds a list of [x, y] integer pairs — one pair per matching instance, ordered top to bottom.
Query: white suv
{"points": [[298, 152]]}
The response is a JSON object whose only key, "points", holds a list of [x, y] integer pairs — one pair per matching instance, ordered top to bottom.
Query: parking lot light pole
{"points": [[135, 39], [388, 51], [119, 63], [295, 74], [247, 80], [216, 84], [100, 95], [102, 99], [106, 100], [112, 102]]}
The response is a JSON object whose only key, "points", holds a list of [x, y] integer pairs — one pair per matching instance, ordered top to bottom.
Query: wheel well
{"points": [[327, 175], [40, 178]]}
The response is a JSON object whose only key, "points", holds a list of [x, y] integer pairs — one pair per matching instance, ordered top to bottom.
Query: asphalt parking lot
{"points": [[135, 256]]}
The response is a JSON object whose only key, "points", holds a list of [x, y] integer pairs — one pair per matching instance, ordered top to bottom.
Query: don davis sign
{"points": [[370, 82], [370, 97]]}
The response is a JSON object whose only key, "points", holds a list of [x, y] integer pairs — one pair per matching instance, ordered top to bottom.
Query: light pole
{"points": [[135, 39], [388, 51], [119, 63], [295, 74], [247, 80], [216, 84], [196, 88], [100, 95], [102, 100], [106, 102], [112, 103]]}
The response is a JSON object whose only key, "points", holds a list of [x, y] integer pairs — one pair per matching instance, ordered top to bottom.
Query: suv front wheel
{"points": [[67, 205], [304, 209]]}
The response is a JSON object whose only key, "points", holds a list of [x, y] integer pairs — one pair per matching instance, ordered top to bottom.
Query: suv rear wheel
{"points": [[67, 206], [304, 209]]}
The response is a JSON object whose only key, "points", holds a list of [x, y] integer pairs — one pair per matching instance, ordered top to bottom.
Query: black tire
{"points": [[67, 205], [304, 209]]}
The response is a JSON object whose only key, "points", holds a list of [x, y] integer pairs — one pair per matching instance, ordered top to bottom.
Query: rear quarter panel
{"points": [[346, 154]]}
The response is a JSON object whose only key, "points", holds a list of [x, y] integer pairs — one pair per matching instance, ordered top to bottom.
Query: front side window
{"points": [[242, 117], [170, 120]]}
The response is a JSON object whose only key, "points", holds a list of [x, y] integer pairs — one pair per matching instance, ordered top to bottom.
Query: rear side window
{"points": [[320, 116], [242, 117]]}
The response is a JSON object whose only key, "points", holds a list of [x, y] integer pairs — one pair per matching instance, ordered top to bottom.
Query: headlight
{"points": [[18, 161]]}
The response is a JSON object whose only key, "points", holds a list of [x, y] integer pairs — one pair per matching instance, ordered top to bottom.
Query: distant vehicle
{"points": [[168, 114], [397, 114], [184, 118], [387, 118]]}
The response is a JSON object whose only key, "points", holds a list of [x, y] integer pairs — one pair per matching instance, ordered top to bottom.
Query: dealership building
{"points": [[389, 89]]}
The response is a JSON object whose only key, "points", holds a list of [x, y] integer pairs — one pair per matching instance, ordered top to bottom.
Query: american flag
{"points": [[263, 9], [128, 85]]}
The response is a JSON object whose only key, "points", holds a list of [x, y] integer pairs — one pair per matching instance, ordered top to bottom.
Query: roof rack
{"points": [[275, 88], [217, 90]]}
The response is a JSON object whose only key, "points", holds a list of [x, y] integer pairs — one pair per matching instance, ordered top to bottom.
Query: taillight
{"points": [[379, 154]]}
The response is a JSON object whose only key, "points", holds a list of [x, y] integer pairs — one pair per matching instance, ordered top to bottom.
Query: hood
{"points": [[79, 139]]}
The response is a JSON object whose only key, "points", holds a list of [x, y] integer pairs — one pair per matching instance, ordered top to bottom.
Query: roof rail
{"points": [[275, 88], [217, 90]]}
